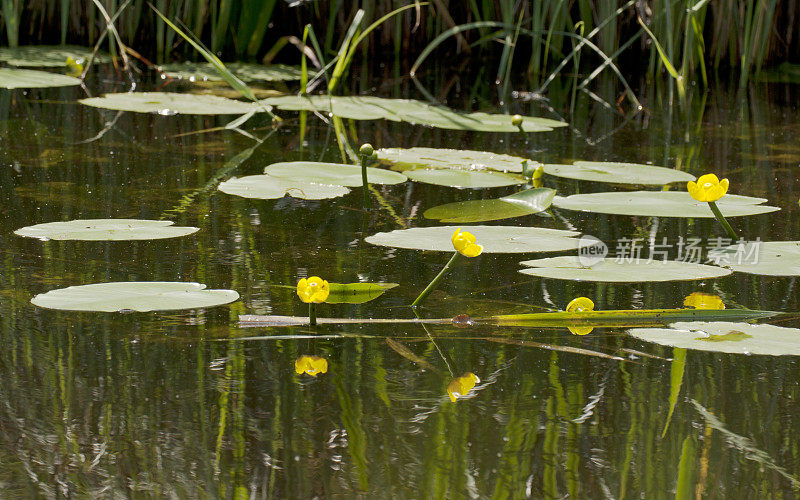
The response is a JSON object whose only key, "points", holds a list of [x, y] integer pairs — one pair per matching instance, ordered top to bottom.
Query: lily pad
{"points": [[48, 55], [244, 71], [29, 79], [171, 103], [342, 106], [412, 158], [618, 173], [337, 174], [462, 178], [267, 187], [526, 202], [661, 204], [105, 230], [495, 239], [768, 258], [609, 270], [356, 293], [134, 296], [721, 336]]}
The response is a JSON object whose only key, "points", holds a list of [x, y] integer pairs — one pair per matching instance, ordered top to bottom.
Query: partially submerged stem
{"points": [[727, 227], [433, 284], [312, 314]]}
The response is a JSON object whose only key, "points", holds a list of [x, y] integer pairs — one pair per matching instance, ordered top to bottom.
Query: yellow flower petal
{"points": [[707, 188], [464, 243], [313, 289], [700, 300], [580, 304], [580, 330], [311, 365], [459, 387]]}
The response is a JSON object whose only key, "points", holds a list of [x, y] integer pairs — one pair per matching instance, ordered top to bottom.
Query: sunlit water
{"points": [[175, 404]]}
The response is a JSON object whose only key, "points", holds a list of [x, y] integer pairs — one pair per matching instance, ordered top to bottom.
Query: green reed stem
{"points": [[727, 227], [433, 284], [312, 314]]}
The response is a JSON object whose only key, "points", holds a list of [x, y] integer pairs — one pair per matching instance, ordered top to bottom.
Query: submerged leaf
{"points": [[526, 202], [356, 293]]}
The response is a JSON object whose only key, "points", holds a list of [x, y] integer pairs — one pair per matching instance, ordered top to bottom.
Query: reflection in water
{"points": [[700, 300], [311, 365], [459, 387]]}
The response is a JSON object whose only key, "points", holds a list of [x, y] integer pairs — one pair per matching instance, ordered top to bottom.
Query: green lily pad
{"points": [[48, 55], [244, 71], [29, 79], [171, 103], [341, 106], [412, 158], [618, 173], [337, 174], [462, 178], [267, 187], [526, 202], [661, 204], [105, 230], [495, 239], [768, 258], [609, 270], [356, 293], [134, 296], [721, 336]]}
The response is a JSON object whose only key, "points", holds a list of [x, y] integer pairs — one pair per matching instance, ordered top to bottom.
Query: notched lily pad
{"points": [[48, 55], [246, 72], [29, 78], [171, 103], [411, 158], [618, 173], [336, 174], [462, 178], [267, 187], [526, 202], [661, 204], [105, 230], [495, 239], [767, 258], [609, 270], [139, 296], [722, 336]]}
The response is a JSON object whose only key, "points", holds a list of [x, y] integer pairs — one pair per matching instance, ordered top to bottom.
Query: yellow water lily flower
{"points": [[74, 68], [707, 188], [464, 243], [313, 290], [700, 300], [581, 304], [311, 365], [460, 387]]}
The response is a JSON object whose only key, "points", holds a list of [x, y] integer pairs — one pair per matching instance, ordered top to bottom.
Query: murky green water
{"points": [[177, 405]]}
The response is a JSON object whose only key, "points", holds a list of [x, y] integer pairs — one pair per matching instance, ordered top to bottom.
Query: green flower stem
{"points": [[365, 182], [727, 227], [433, 284], [312, 314]]}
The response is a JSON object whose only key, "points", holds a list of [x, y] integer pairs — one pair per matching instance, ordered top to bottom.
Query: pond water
{"points": [[191, 404]]}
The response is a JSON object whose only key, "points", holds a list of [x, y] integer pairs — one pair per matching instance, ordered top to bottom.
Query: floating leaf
{"points": [[48, 55], [246, 72], [29, 79], [171, 103], [411, 158], [618, 173], [337, 174], [462, 178], [267, 187], [526, 202], [661, 204], [105, 230], [495, 239], [769, 258], [609, 270], [356, 293], [134, 296], [632, 317], [737, 338]]}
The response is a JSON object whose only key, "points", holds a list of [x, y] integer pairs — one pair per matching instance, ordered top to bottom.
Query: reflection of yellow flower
{"points": [[707, 188], [464, 243], [313, 289], [700, 300], [580, 304], [311, 365], [460, 387]]}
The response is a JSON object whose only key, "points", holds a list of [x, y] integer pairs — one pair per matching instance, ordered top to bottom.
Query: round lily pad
{"points": [[48, 55], [244, 71], [28, 79], [171, 103], [411, 158], [618, 173], [337, 174], [462, 178], [267, 187], [526, 202], [661, 204], [105, 230], [495, 239], [768, 258], [609, 270], [134, 296], [722, 336]]}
